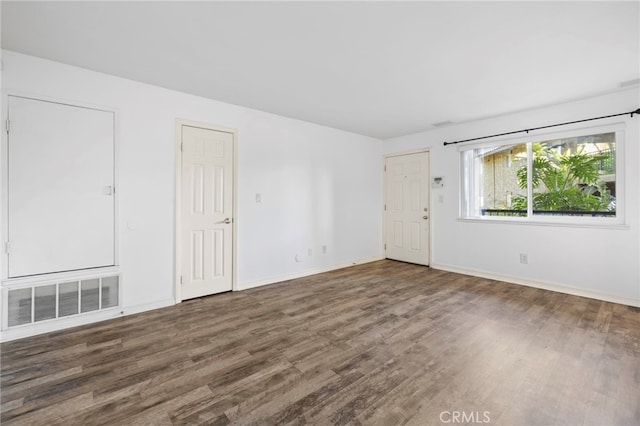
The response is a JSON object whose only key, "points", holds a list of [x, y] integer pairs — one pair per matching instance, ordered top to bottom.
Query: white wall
{"points": [[319, 186], [598, 262]]}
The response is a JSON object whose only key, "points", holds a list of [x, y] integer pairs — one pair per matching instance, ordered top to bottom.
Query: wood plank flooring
{"points": [[385, 343]]}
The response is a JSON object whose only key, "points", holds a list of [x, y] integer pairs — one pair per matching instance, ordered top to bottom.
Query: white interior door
{"points": [[407, 208], [60, 211], [206, 211]]}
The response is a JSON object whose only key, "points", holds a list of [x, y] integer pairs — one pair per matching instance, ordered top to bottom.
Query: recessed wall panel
{"points": [[60, 198]]}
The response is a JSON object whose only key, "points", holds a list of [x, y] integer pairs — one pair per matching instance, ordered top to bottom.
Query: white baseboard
{"points": [[308, 272], [541, 285], [148, 307], [58, 324]]}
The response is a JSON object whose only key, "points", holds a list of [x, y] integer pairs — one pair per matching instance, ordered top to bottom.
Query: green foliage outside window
{"points": [[565, 181]]}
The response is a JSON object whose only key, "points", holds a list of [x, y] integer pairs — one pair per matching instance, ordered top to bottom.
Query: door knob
{"points": [[425, 217], [227, 221]]}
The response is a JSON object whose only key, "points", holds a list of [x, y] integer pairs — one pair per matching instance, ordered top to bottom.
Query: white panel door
{"points": [[407, 208], [60, 211], [206, 211]]}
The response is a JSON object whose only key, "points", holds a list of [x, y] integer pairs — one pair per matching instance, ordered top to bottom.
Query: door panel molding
{"points": [[180, 249]]}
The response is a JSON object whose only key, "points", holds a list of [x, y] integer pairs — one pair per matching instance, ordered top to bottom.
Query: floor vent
{"points": [[42, 302]]}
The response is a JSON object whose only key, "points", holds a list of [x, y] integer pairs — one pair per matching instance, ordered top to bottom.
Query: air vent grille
{"points": [[43, 302]]}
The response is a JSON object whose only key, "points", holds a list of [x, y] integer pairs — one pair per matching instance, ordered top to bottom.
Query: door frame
{"points": [[384, 199], [178, 203]]}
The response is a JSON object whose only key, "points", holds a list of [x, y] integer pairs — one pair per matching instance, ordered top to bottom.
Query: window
{"points": [[562, 177]]}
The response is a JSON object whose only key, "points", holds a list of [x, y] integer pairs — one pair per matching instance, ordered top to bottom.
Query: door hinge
{"points": [[8, 125], [181, 146], [385, 168], [385, 207], [385, 246], [7, 247], [180, 279]]}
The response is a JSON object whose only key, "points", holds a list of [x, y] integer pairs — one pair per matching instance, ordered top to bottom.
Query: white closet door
{"points": [[60, 187]]}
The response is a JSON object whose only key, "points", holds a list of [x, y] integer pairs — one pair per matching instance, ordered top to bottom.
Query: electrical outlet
{"points": [[324, 249], [309, 252], [524, 258]]}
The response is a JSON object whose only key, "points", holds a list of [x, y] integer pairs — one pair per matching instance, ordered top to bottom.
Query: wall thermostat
{"points": [[437, 182]]}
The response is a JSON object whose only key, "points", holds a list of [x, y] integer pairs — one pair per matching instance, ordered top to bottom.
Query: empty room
{"points": [[326, 213]]}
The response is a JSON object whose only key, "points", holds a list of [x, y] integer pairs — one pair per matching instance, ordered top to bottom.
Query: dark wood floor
{"points": [[384, 343]]}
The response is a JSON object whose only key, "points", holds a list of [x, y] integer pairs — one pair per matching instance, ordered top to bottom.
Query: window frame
{"points": [[468, 213]]}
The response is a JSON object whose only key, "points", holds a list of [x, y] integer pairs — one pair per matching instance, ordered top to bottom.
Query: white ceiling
{"points": [[381, 69]]}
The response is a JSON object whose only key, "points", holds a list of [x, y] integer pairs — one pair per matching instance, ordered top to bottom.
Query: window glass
{"points": [[575, 176], [553, 177], [495, 180]]}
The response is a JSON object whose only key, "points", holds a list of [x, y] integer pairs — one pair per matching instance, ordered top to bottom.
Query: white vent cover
{"points": [[70, 297]]}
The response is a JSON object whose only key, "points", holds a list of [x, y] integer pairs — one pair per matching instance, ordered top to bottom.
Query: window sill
{"points": [[534, 222]]}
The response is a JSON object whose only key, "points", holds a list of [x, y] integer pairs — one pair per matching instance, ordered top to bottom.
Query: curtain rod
{"points": [[631, 113]]}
